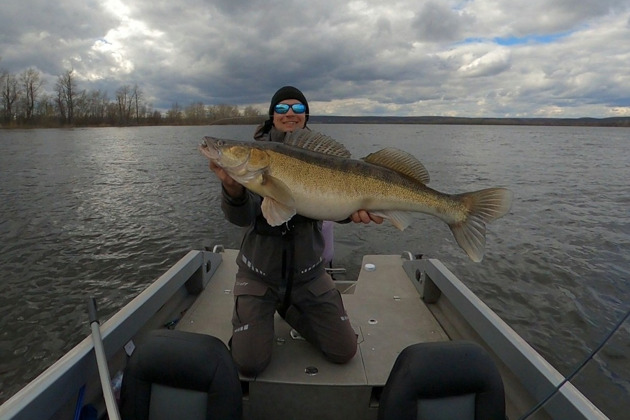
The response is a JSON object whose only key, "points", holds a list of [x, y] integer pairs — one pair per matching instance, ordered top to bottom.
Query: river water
{"points": [[104, 211]]}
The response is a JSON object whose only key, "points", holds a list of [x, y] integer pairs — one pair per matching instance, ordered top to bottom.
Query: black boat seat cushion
{"points": [[180, 375], [455, 380]]}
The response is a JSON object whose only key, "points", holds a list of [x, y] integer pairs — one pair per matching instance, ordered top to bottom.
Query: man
{"points": [[281, 268]]}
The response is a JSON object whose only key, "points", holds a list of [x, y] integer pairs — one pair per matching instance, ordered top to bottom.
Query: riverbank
{"points": [[334, 119], [577, 122]]}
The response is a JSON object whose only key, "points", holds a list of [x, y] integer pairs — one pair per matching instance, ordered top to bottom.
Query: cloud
{"points": [[526, 17], [439, 22], [437, 57], [489, 64]]}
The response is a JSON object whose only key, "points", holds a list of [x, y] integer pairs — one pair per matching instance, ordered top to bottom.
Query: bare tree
{"points": [[31, 83], [67, 92], [10, 94], [136, 95], [23, 100], [124, 101], [96, 106], [45, 108], [81, 108], [250, 111], [223, 112], [111, 113], [195, 113], [175, 114], [154, 117]]}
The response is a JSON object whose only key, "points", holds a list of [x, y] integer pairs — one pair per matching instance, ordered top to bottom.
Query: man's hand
{"points": [[232, 188], [363, 216]]}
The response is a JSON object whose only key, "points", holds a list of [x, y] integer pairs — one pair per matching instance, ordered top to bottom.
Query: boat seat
{"points": [[180, 375], [454, 380]]}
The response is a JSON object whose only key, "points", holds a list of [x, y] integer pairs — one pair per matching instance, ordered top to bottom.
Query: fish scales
{"points": [[364, 184]]}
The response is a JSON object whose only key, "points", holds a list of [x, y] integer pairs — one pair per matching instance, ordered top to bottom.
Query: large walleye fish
{"points": [[313, 175]]}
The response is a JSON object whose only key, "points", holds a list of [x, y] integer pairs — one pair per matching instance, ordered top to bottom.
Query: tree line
{"points": [[25, 103]]}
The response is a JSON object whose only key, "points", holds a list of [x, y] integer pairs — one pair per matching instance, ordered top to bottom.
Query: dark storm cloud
{"points": [[438, 22], [41, 34], [436, 57]]}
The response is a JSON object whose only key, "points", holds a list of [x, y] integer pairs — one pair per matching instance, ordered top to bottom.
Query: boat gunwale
{"points": [[535, 373], [58, 385], [54, 387]]}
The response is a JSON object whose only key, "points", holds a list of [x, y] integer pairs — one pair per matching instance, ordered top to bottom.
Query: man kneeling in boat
{"points": [[281, 268]]}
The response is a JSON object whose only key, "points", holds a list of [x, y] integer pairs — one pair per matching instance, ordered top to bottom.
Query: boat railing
{"points": [[463, 315]]}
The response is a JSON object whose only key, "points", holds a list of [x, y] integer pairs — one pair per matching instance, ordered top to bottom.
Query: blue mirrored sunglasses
{"points": [[284, 108]]}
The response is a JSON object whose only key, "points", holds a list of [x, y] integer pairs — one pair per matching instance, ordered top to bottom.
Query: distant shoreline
{"points": [[333, 119], [578, 122]]}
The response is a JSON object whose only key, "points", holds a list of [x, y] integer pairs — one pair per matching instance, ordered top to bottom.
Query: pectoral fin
{"points": [[278, 206], [275, 212]]}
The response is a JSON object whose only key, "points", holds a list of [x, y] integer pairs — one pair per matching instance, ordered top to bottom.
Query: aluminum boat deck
{"points": [[387, 314]]}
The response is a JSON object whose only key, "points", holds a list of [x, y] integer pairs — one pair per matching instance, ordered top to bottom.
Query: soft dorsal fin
{"points": [[316, 142], [401, 162]]}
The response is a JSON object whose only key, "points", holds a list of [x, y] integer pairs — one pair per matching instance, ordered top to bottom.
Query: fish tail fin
{"points": [[483, 206]]}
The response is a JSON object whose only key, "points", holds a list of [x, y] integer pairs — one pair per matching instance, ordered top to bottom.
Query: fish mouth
{"points": [[210, 142], [209, 148]]}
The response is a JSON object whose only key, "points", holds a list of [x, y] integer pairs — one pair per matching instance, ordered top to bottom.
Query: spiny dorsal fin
{"points": [[316, 142], [401, 162]]}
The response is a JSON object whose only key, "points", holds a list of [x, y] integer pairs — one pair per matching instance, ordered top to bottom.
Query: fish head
{"points": [[239, 159]]}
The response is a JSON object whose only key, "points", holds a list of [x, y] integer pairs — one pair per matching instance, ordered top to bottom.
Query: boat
{"points": [[397, 301]]}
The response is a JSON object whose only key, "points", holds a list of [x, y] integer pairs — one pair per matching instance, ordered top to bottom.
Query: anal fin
{"points": [[400, 219]]}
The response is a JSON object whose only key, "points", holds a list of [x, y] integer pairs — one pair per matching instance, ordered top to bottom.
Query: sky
{"points": [[478, 58]]}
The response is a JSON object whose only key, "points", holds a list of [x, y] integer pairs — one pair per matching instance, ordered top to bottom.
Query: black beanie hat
{"points": [[287, 92]]}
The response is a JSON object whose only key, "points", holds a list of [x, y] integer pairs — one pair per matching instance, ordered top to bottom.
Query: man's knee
{"points": [[342, 354], [250, 355], [251, 366]]}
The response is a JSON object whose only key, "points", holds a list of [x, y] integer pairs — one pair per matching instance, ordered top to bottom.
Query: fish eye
{"points": [[220, 142]]}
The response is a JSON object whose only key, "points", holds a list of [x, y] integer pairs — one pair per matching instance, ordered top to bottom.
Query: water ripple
{"points": [[103, 212]]}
